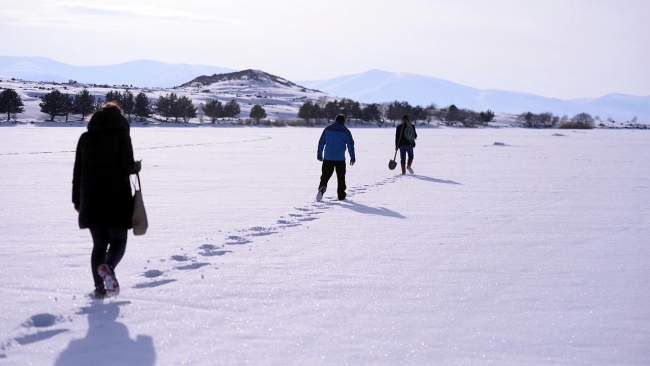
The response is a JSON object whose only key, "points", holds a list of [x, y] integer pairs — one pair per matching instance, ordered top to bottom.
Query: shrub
{"points": [[575, 126]]}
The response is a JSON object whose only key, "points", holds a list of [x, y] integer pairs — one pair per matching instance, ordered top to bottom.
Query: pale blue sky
{"points": [[555, 48]]}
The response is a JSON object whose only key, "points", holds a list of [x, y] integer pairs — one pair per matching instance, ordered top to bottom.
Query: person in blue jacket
{"points": [[335, 139]]}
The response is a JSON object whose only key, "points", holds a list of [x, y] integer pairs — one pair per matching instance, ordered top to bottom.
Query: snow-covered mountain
{"points": [[140, 73], [377, 86]]}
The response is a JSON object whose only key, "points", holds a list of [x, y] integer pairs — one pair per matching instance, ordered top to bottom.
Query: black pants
{"points": [[328, 170], [109, 245]]}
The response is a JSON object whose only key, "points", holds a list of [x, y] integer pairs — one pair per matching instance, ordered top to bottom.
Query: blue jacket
{"points": [[335, 138]]}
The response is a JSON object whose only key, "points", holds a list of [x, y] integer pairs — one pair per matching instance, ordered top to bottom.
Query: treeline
{"points": [[57, 104], [168, 106], [347, 107], [394, 111], [548, 120]]}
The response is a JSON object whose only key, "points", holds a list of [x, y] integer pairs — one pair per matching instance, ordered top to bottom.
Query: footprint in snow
{"points": [[309, 219], [262, 231], [237, 240], [209, 250], [180, 258], [192, 266], [153, 273], [153, 284], [40, 321]]}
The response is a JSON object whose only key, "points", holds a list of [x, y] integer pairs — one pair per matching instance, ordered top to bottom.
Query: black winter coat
{"points": [[403, 141], [103, 163]]}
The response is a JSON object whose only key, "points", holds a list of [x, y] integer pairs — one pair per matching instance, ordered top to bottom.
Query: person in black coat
{"points": [[405, 136], [101, 190]]}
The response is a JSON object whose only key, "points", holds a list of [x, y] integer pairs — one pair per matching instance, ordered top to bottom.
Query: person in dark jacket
{"points": [[405, 136], [335, 139], [101, 191]]}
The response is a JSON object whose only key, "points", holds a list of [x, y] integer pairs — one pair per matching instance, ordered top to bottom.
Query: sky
{"points": [[554, 48]]}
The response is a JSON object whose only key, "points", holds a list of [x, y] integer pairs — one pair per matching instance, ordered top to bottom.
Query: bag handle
{"points": [[139, 187]]}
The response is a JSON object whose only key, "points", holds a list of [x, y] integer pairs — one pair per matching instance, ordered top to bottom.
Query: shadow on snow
{"points": [[381, 211], [107, 341]]}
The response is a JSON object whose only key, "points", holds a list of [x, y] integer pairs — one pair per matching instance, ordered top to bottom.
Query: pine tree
{"points": [[114, 96], [67, 102], [10, 103], [84, 103], [127, 103], [54, 104], [165, 105], [142, 107], [184, 108], [213, 109], [232, 109], [331, 110], [305, 111], [371, 112], [257, 113], [453, 115], [487, 116]]}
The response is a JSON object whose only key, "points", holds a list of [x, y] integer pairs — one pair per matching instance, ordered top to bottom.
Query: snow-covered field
{"points": [[529, 252]]}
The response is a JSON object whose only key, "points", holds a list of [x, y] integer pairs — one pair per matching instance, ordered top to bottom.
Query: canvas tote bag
{"points": [[139, 221]]}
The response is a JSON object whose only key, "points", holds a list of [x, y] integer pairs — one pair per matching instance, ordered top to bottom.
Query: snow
{"points": [[530, 253]]}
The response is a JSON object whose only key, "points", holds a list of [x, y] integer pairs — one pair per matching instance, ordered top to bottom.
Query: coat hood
{"points": [[106, 119]]}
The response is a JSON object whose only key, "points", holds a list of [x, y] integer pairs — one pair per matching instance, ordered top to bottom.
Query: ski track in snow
{"points": [[167, 269]]}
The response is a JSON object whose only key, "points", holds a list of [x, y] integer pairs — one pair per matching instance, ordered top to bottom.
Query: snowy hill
{"points": [[139, 73], [253, 78], [377, 86], [280, 98]]}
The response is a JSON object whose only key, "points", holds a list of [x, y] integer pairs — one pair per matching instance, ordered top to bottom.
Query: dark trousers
{"points": [[403, 150], [328, 169], [109, 245]]}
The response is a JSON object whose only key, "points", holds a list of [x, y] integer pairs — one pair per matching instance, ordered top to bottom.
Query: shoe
{"points": [[409, 169], [403, 170], [321, 192], [342, 197], [108, 275], [99, 293]]}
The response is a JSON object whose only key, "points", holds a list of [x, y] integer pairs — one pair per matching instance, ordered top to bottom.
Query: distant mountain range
{"points": [[141, 73], [373, 86], [377, 86]]}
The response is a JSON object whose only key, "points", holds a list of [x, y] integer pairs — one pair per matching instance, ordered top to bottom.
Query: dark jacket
{"points": [[335, 138], [403, 141], [103, 163]]}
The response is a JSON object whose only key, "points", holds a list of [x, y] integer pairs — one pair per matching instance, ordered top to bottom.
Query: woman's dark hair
{"points": [[340, 118], [405, 118]]}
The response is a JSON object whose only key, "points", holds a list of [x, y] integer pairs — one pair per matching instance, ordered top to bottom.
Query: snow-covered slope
{"points": [[141, 73], [377, 86]]}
